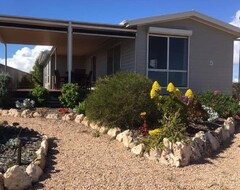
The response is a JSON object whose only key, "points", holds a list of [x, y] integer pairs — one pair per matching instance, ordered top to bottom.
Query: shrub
{"points": [[4, 88], [236, 91], [72, 94], [40, 95], [118, 100], [26, 104], [223, 104], [81, 107], [196, 111], [172, 127]]}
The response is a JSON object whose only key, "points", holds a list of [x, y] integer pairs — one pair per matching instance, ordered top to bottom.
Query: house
{"points": [[190, 49], [18, 78]]}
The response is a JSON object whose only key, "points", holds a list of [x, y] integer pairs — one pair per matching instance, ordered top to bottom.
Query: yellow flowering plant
{"points": [[171, 87], [155, 91]]}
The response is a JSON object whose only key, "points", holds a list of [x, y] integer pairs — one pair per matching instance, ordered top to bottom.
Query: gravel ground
{"points": [[77, 160]]}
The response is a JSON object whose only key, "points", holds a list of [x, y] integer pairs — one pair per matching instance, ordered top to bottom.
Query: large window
{"points": [[168, 60]]}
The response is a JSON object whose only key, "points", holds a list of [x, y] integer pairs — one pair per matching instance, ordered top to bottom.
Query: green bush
{"points": [[4, 89], [236, 91], [72, 94], [40, 95], [118, 100], [223, 104], [81, 107], [172, 127]]}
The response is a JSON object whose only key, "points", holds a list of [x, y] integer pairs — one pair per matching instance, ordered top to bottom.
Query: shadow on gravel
{"points": [[215, 155], [50, 164]]}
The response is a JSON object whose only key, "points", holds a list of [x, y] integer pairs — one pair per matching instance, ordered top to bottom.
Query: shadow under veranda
{"points": [[216, 154], [50, 163]]}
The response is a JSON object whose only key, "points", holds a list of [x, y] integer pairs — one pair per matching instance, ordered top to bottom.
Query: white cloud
{"points": [[236, 22], [25, 58]]}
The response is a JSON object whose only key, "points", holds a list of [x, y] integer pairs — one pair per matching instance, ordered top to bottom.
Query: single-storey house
{"points": [[190, 49]]}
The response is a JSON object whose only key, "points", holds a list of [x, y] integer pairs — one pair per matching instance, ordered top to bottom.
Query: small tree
{"points": [[37, 73]]}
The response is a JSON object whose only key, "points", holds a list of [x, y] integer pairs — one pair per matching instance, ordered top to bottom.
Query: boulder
{"points": [[4, 112], [14, 113], [26, 113], [37, 114], [52, 116], [68, 117], [79, 118], [85, 122], [229, 124], [95, 126], [103, 129], [113, 132], [219, 134], [225, 134], [120, 136], [127, 141], [214, 143], [167, 144], [44, 146], [138, 150], [182, 153], [196, 153], [154, 154], [40, 160], [34, 171], [15, 178], [1, 182]]}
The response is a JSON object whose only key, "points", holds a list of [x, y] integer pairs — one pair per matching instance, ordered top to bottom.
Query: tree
{"points": [[37, 72]]}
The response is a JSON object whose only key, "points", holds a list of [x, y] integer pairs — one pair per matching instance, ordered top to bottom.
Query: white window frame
{"points": [[167, 70]]}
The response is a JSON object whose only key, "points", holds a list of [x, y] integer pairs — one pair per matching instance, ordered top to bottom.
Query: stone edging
{"points": [[174, 154], [18, 178]]}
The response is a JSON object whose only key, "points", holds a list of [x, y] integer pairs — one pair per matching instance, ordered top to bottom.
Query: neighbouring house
{"points": [[190, 49], [19, 79]]}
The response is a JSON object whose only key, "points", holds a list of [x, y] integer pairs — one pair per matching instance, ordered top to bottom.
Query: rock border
{"points": [[174, 154], [19, 178]]}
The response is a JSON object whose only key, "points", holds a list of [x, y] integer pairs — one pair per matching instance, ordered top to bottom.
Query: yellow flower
{"points": [[171, 87], [156, 88], [178, 92], [189, 94], [143, 114], [154, 132]]}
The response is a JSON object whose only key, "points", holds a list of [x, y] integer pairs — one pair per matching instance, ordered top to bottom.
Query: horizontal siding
{"points": [[207, 44], [128, 55]]}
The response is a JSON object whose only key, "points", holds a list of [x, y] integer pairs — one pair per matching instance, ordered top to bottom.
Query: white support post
{"points": [[5, 48], [69, 52], [55, 58]]}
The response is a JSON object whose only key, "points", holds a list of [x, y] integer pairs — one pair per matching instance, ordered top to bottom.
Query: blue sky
{"points": [[109, 11]]}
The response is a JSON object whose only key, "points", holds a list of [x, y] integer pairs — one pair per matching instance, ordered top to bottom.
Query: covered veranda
{"points": [[69, 39]]}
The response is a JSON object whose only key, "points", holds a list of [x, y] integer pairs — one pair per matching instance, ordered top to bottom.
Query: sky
{"points": [[107, 11]]}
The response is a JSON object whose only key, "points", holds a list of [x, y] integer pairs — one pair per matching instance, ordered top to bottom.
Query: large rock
{"points": [[4, 112], [14, 113], [26, 113], [37, 114], [52, 116], [68, 117], [79, 118], [85, 122], [229, 124], [95, 126], [103, 129], [113, 132], [218, 133], [225, 134], [120, 136], [127, 141], [214, 143], [167, 144], [138, 150], [182, 152], [196, 152], [154, 154], [40, 160], [34, 171], [15, 178], [1, 182]]}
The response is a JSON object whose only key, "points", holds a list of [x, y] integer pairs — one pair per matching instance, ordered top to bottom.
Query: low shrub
{"points": [[4, 89], [236, 91], [72, 94], [40, 95], [118, 100], [223, 104], [81, 107]]}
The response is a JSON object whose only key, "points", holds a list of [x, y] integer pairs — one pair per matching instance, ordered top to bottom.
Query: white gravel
{"points": [[77, 160]]}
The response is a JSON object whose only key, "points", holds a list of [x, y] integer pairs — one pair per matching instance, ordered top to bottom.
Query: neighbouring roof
{"points": [[194, 15]]}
